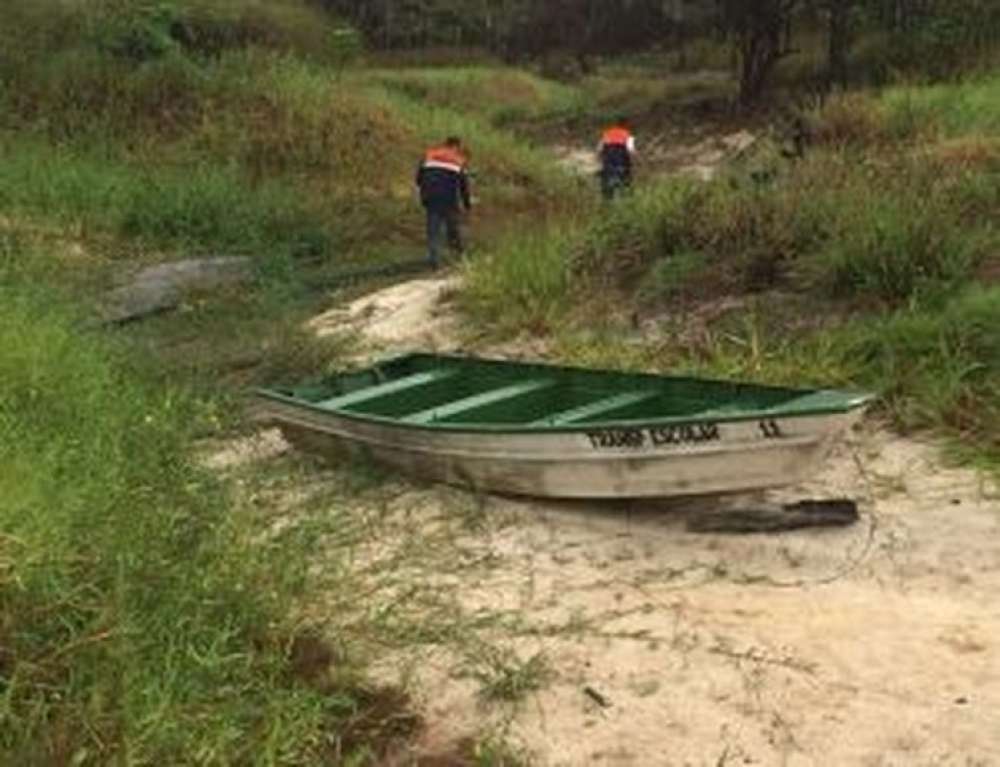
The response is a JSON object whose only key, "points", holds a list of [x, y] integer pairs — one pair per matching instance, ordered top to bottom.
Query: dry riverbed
{"points": [[611, 634]]}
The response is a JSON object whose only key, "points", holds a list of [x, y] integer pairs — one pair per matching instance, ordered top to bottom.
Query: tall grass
{"points": [[514, 95], [968, 108], [243, 130], [204, 207], [882, 219], [839, 225], [524, 284], [939, 366], [138, 621]]}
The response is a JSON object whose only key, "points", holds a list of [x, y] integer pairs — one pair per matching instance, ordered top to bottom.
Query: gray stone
{"points": [[162, 288]]}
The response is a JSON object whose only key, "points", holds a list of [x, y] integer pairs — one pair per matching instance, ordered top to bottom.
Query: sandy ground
{"points": [[406, 316], [609, 634], [876, 645]]}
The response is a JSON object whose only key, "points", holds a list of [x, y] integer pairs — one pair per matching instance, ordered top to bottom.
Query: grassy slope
{"points": [[260, 146], [888, 220], [141, 620]]}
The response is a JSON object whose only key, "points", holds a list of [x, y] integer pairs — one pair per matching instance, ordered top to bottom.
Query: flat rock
{"points": [[162, 288]]}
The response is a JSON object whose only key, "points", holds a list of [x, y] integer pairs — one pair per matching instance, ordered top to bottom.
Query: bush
{"points": [[211, 27], [143, 30], [135, 31], [637, 230], [894, 249]]}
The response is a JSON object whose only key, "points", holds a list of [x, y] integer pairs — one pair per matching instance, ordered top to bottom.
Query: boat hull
{"points": [[637, 461]]}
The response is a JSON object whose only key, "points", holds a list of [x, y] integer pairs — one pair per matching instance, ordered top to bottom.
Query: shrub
{"points": [[211, 27], [894, 248]]}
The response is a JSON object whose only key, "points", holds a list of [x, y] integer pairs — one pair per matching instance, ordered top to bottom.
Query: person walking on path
{"points": [[616, 151], [443, 181]]}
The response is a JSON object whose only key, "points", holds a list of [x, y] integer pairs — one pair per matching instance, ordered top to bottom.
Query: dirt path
{"points": [[667, 154]]}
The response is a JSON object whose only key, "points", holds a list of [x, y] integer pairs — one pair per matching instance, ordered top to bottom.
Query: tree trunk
{"points": [[764, 39], [839, 41], [760, 51]]}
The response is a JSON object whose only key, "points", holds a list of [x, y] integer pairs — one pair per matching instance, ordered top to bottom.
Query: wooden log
{"points": [[776, 519]]}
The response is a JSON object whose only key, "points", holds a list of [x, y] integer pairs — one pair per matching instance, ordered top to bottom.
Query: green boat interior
{"points": [[427, 390]]}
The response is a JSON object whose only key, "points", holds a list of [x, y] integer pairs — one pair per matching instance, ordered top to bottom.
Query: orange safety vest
{"points": [[616, 136], [445, 158]]}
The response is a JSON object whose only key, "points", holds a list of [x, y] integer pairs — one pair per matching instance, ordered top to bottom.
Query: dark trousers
{"points": [[614, 181], [438, 219]]}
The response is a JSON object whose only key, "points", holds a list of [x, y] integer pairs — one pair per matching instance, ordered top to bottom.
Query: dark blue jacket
{"points": [[443, 179]]}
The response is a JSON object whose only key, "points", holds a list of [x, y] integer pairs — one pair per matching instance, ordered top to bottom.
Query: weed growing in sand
{"points": [[505, 677], [496, 750]]}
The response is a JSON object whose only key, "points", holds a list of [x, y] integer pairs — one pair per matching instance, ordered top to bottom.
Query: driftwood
{"points": [[776, 519]]}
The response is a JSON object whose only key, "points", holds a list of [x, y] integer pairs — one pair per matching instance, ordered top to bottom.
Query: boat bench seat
{"points": [[384, 390], [598, 407], [451, 409]]}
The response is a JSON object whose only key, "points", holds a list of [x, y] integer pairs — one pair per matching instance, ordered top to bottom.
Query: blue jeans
{"points": [[437, 219]]}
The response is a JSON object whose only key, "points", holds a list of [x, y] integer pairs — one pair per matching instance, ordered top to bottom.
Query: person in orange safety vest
{"points": [[616, 151], [443, 181]]}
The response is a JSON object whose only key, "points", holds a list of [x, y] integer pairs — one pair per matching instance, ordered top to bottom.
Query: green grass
{"points": [[514, 96], [964, 109], [179, 152], [203, 207], [881, 220], [523, 284], [938, 367], [148, 610], [139, 620], [504, 677]]}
